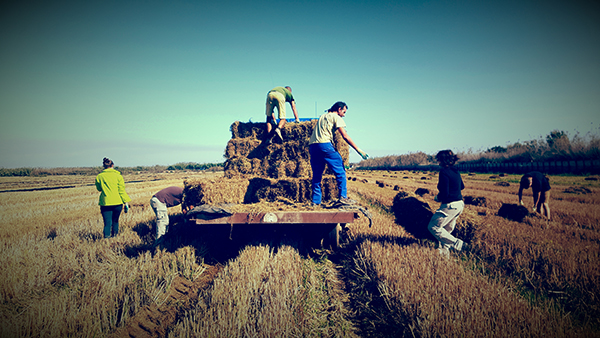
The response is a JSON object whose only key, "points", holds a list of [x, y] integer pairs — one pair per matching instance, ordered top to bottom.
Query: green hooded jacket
{"points": [[111, 184]]}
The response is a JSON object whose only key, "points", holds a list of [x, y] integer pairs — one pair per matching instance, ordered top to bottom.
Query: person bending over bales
{"points": [[277, 97], [322, 151], [540, 186], [112, 197], [166, 198], [444, 219]]}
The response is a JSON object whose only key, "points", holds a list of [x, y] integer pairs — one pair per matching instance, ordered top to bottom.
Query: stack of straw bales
{"points": [[249, 155], [256, 171]]}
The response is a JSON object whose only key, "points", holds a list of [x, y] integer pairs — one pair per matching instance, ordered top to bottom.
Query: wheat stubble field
{"points": [[530, 278]]}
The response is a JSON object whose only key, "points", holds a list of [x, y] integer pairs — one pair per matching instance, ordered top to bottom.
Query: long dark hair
{"points": [[337, 106], [446, 158], [107, 163]]}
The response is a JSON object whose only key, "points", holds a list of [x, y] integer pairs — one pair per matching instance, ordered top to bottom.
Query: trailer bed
{"points": [[329, 222]]}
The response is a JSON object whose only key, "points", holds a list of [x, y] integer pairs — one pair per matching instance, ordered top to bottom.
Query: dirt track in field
{"points": [[154, 321]]}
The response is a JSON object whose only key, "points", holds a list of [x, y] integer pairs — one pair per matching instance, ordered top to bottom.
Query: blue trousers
{"points": [[321, 154], [110, 215]]}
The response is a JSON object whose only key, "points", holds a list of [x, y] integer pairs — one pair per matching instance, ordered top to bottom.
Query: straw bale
{"points": [[248, 129], [247, 142], [241, 147], [241, 165], [303, 169], [292, 189], [214, 191], [422, 191], [477, 201], [513, 212], [413, 214]]}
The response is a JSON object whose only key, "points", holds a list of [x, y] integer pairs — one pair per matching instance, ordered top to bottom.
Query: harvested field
{"points": [[534, 277]]}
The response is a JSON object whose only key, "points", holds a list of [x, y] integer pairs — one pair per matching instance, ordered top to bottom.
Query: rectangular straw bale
{"points": [[248, 129], [241, 147], [342, 147], [248, 155], [245, 167], [303, 169], [293, 189], [329, 189], [214, 191]]}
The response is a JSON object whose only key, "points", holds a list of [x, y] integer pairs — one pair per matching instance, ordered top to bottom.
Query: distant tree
{"points": [[496, 149]]}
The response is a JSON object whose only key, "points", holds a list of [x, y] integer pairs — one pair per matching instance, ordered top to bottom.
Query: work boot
{"points": [[278, 132], [346, 201], [458, 245]]}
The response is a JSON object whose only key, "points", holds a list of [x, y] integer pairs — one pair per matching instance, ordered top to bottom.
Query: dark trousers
{"points": [[110, 215]]}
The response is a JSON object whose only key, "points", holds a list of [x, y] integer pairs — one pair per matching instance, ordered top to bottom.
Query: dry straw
{"points": [[248, 154], [254, 190], [268, 293]]}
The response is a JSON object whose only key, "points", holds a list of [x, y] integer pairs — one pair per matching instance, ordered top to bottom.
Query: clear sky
{"points": [[160, 82]]}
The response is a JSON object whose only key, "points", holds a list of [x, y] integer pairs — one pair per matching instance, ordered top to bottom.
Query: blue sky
{"points": [[153, 82]]}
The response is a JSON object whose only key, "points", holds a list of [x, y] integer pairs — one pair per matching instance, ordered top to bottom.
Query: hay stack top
{"points": [[248, 154]]}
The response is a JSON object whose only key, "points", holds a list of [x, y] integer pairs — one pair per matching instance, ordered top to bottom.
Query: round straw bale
{"points": [[413, 214]]}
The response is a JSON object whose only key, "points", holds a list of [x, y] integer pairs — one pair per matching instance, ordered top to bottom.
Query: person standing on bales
{"points": [[277, 97], [322, 151], [540, 186], [112, 198], [166, 198], [443, 221]]}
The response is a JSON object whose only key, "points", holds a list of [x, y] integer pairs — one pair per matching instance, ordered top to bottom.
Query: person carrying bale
{"points": [[277, 97], [322, 151], [540, 186], [112, 198], [166, 198], [443, 221]]}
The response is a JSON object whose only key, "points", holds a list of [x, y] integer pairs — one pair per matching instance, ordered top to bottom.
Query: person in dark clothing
{"points": [[540, 186], [166, 198], [444, 219]]}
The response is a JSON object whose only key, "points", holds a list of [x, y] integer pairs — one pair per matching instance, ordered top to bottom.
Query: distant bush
{"points": [[556, 146], [91, 171], [15, 172]]}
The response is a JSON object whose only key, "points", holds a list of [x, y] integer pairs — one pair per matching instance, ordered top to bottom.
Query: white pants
{"points": [[162, 216], [443, 222]]}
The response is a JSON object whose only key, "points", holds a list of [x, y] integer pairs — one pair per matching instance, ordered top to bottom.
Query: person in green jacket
{"points": [[112, 198]]}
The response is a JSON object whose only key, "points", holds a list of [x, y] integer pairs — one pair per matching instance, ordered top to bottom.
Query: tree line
{"points": [[556, 146], [40, 172]]}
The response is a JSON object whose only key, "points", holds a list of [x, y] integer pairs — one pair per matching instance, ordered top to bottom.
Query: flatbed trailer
{"points": [[322, 226]]}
